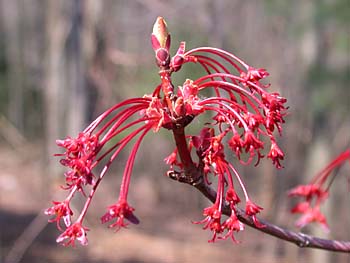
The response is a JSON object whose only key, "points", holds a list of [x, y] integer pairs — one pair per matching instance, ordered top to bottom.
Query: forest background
{"points": [[64, 62]]}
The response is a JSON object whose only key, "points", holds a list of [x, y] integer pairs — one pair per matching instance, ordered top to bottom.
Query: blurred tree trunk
{"points": [[11, 13], [216, 29], [71, 35], [316, 51], [76, 65], [54, 100], [318, 157]]}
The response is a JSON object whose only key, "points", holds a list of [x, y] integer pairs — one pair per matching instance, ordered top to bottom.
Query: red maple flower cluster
{"points": [[245, 117], [315, 194]]}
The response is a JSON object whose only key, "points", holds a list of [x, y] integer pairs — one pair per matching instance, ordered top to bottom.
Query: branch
{"points": [[194, 177], [300, 239], [25, 240]]}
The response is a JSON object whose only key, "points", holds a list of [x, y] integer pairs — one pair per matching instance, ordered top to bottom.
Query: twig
{"points": [[11, 134], [300, 239]]}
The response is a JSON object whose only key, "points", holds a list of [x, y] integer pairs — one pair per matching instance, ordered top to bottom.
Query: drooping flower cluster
{"points": [[245, 118], [315, 194]]}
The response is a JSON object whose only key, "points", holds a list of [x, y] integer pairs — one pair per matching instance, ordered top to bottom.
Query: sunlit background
{"points": [[64, 62]]}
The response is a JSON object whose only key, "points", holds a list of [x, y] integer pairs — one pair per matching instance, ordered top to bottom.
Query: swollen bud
{"points": [[160, 34], [161, 42], [178, 59]]}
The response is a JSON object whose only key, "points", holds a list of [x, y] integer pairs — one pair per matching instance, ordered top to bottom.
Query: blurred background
{"points": [[64, 62]]}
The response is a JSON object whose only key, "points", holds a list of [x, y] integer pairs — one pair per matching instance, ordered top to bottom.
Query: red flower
{"points": [[254, 75], [188, 94], [240, 106], [156, 113], [202, 141], [251, 142], [236, 144], [84, 145], [252, 146], [276, 155], [172, 160], [308, 191], [315, 193], [232, 197], [301, 208], [309, 208], [252, 209], [62, 211], [119, 211], [312, 215], [212, 221], [232, 224], [214, 226], [72, 233]]}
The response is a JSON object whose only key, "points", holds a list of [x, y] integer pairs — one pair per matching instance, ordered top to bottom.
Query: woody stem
{"points": [[194, 177], [300, 239]]}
